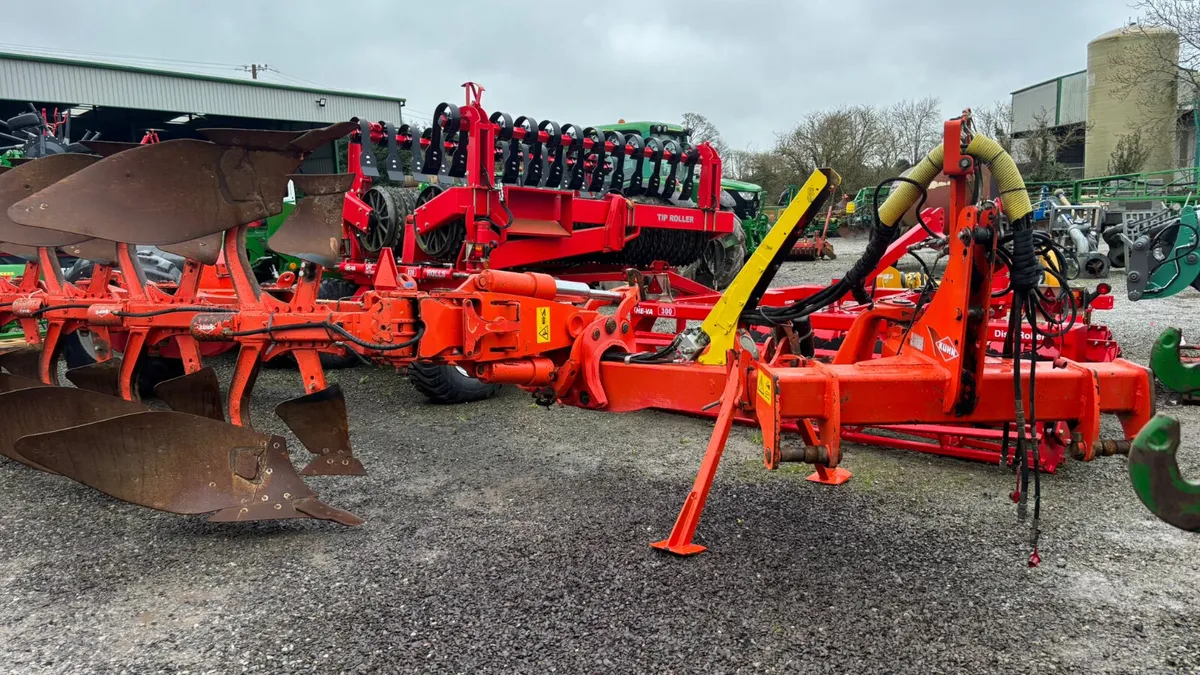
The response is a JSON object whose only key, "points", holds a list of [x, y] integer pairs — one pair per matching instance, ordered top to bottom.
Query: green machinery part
{"points": [[11, 333], [1169, 368], [1156, 478]]}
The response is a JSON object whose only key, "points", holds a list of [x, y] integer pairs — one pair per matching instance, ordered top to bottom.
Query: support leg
{"points": [[680, 541]]}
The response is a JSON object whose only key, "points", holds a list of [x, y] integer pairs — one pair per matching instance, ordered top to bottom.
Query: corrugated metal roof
{"points": [[25, 77]]}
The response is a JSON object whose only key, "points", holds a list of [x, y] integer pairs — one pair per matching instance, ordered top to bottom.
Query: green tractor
{"points": [[722, 258], [10, 334]]}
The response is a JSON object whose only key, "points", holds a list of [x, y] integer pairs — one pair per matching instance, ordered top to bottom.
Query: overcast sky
{"points": [[753, 67]]}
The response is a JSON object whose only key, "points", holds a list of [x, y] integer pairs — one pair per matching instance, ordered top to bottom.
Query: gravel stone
{"points": [[506, 538]]}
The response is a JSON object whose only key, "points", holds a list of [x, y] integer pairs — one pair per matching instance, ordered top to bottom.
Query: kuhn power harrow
{"points": [[933, 367]]}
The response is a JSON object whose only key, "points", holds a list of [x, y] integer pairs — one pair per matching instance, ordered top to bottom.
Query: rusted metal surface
{"points": [[257, 139], [109, 148], [27, 180], [163, 193], [313, 231], [97, 250], [24, 252], [22, 362], [102, 377], [9, 382], [197, 393], [38, 410], [319, 420], [184, 464]]}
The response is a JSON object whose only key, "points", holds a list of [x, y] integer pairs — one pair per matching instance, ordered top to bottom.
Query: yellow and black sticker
{"points": [[543, 324], [765, 389]]}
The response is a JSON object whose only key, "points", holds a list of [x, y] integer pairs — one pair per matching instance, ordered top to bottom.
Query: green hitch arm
{"points": [[1180, 377], [1156, 478]]}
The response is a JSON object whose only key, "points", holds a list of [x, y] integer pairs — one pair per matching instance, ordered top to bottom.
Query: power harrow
{"points": [[901, 362]]}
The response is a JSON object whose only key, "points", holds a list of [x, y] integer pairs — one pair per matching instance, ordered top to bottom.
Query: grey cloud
{"points": [[753, 67]]}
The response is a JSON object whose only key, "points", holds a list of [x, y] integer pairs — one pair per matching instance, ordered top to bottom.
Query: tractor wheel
{"points": [[390, 207], [444, 243], [720, 260], [336, 289], [79, 350], [448, 384]]}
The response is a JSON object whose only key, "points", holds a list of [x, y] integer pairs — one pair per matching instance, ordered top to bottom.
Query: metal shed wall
{"points": [[75, 82], [1072, 99], [1030, 104]]}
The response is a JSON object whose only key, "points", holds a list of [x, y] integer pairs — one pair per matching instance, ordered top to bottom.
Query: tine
{"points": [[28, 179], [209, 188], [313, 231], [23, 362], [102, 377], [15, 383], [197, 393], [43, 409], [319, 420], [184, 464]]}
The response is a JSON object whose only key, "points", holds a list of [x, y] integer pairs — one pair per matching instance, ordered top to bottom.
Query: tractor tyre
{"points": [[720, 260], [336, 289], [77, 348], [448, 384]]}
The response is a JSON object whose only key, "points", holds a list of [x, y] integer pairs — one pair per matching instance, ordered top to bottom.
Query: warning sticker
{"points": [[543, 324], [765, 388]]}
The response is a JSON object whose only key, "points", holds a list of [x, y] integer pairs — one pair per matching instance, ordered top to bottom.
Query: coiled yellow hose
{"points": [[1013, 196]]}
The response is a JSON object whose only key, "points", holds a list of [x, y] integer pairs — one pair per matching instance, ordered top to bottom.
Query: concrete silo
{"points": [[1151, 104]]}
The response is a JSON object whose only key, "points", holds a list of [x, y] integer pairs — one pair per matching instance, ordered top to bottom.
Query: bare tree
{"points": [[995, 122], [915, 126], [704, 130], [852, 140], [1039, 150], [1129, 155]]}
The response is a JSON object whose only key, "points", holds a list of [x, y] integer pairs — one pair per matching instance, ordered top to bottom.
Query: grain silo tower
{"points": [[1150, 104]]}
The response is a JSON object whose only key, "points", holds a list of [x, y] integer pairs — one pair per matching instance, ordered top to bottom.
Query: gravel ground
{"points": [[503, 537]]}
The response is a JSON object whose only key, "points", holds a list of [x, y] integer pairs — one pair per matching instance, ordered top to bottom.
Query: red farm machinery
{"points": [[515, 195]]}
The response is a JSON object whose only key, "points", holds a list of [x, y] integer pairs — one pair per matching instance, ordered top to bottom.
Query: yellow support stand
{"points": [[722, 321]]}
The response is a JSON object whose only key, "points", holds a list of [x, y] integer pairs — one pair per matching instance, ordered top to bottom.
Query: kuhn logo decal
{"points": [[944, 346]]}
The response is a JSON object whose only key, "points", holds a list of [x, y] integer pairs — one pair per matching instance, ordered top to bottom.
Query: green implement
{"points": [[1154, 471]]}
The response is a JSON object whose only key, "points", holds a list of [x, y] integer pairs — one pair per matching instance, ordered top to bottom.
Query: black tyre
{"points": [[720, 260], [1095, 266], [337, 289], [78, 349], [448, 384]]}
